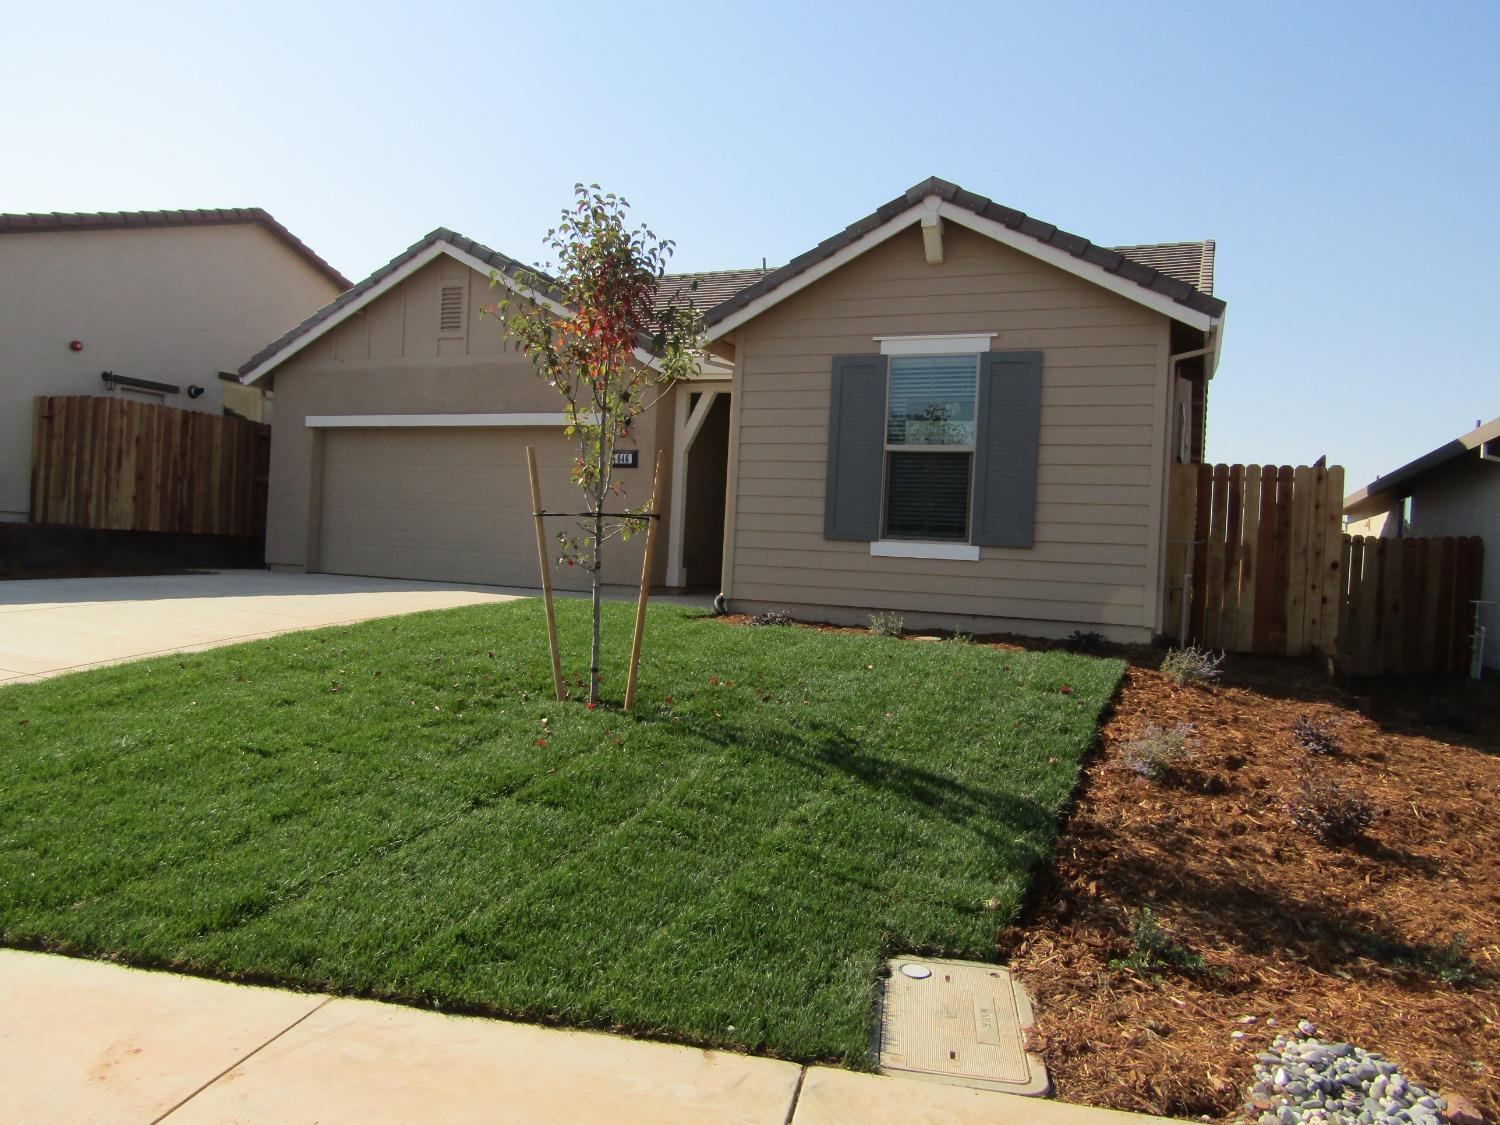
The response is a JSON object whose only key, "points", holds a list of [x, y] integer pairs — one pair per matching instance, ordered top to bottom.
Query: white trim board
{"points": [[914, 214], [395, 278], [936, 344], [395, 421], [909, 549]]}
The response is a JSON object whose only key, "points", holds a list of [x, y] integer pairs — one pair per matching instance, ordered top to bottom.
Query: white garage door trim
{"points": [[377, 421]]}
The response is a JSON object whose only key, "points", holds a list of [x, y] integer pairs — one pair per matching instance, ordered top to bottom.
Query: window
{"points": [[929, 446]]}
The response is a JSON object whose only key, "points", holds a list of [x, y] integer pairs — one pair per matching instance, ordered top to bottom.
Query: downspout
{"points": [[1173, 360]]}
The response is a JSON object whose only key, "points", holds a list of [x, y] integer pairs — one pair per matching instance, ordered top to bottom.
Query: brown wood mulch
{"points": [[1356, 939]]}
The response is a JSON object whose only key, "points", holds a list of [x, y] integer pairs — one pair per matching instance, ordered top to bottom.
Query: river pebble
{"points": [[1303, 1080]]}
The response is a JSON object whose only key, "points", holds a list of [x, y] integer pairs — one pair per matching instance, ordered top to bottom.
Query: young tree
{"points": [[592, 330]]}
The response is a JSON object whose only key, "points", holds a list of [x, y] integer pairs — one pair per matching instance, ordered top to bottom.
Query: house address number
{"points": [[626, 458]]}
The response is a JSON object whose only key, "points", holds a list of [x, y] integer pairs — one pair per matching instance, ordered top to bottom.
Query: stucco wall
{"points": [[170, 304], [389, 358], [1103, 444], [1464, 499]]}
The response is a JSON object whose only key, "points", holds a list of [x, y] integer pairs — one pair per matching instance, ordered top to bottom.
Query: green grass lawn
{"points": [[399, 809]]}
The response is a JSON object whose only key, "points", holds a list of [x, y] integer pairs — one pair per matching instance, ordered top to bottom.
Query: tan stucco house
{"points": [[166, 302], [949, 409], [1453, 490]]}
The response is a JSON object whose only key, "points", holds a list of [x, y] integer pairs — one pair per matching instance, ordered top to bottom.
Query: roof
{"points": [[130, 220], [475, 254], [1192, 262], [1163, 270], [1179, 271], [705, 290], [1381, 492]]}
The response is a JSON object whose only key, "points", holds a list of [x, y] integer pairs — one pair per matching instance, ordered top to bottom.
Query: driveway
{"points": [[49, 626]]}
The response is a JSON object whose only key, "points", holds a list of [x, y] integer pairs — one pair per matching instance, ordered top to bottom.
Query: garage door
{"points": [[448, 504]]}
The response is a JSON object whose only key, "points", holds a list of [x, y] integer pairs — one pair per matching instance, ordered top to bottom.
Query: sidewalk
{"points": [[86, 1041]]}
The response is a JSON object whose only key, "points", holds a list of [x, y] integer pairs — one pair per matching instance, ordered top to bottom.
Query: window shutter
{"points": [[1010, 407], [856, 448]]}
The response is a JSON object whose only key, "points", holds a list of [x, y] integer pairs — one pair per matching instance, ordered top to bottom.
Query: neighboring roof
{"points": [[126, 220], [1192, 262], [1161, 279], [1381, 492]]}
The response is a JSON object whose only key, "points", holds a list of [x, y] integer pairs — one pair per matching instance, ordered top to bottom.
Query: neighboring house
{"points": [[167, 302], [949, 410], [1453, 490]]}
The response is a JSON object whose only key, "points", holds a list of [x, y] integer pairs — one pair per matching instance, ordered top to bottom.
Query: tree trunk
{"points": [[596, 592]]}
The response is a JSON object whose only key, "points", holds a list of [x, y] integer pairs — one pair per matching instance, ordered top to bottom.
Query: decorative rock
{"points": [[1306, 1028], [1301, 1080], [1461, 1111]]}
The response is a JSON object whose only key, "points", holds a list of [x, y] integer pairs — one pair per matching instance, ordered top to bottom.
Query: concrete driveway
{"points": [[49, 626]]}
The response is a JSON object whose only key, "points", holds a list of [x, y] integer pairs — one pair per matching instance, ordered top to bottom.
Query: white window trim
{"points": [[936, 344], [384, 421], [914, 549]]}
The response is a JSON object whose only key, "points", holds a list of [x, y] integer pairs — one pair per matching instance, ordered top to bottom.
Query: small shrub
{"points": [[772, 617], [887, 624], [959, 637], [1083, 641], [1192, 665], [1315, 738], [1157, 751], [1328, 810], [1153, 950]]}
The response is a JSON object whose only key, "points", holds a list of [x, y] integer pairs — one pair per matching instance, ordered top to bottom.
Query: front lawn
{"points": [[399, 809]]}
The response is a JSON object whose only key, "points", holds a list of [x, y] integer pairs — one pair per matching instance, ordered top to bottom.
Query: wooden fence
{"points": [[113, 463], [1254, 558], [1258, 562], [1408, 604]]}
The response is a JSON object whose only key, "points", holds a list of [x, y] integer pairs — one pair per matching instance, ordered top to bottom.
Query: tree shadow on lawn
{"points": [[1018, 830]]}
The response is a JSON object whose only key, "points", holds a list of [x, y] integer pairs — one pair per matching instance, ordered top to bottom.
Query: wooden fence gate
{"points": [[112, 463], [1254, 557], [1258, 562]]}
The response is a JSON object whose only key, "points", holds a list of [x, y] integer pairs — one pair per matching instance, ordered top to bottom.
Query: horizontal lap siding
{"points": [[1098, 492]]}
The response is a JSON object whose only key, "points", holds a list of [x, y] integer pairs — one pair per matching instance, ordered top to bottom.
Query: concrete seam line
{"points": [[241, 1061], [791, 1110]]}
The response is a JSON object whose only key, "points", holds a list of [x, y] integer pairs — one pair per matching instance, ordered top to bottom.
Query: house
{"points": [[154, 305], [949, 410], [1452, 490]]}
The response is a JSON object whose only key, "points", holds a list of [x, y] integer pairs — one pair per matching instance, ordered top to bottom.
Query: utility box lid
{"points": [[960, 1022]]}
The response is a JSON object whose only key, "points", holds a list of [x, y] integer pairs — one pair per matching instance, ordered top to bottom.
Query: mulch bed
{"points": [[1356, 939]]}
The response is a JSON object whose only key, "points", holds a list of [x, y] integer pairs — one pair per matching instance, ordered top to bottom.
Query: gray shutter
{"points": [[1010, 406], [856, 448]]}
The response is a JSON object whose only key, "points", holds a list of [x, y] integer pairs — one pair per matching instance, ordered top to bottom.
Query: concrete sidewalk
{"points": [[85, 1041]]}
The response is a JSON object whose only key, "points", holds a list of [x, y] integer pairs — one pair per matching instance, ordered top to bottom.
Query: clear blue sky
{"points": [[1346, 156]]}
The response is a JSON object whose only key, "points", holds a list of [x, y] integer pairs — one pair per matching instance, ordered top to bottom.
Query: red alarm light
{"points": [[75, 345]]}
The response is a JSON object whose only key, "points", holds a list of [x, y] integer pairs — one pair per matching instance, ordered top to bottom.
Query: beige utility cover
{"points": [[963, 1024]]}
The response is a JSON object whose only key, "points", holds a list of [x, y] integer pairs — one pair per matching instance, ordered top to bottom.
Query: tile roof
{"points": [[122, 220], [497, 261], [1192, 262], [1182, 270], [1152, 277], [705, 290]]}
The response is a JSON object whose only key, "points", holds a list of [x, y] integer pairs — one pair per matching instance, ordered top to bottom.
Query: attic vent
{"points": [[451, 310]]}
